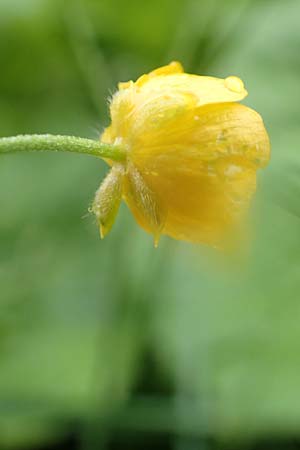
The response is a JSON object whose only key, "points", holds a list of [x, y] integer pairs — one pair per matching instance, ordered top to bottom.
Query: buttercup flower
{"points": [[192, 155]]}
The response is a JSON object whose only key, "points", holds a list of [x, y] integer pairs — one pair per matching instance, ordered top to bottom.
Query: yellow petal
{"points": [[173, 67], [206, 89], [151, 97], [161, 118], [231, 129], [201, 136], [207, 177], [107, 200], [204, 204]]}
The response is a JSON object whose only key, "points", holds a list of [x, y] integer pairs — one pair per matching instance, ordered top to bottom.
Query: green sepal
{"points": [[107, 199], [145, 201]]}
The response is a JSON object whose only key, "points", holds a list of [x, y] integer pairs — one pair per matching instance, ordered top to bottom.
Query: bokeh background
{"points": [[113, 344]]}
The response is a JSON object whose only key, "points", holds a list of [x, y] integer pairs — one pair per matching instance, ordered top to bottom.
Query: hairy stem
{"points": [[48, 142]]}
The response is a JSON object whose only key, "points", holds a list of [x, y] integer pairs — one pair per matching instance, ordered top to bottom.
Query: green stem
{"points": [[48, 142]]}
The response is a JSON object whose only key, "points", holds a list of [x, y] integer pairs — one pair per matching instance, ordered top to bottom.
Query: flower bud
{"points": [[192, 155]]}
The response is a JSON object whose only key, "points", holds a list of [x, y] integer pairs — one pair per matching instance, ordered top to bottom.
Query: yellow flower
{"points": [[192, 155]]}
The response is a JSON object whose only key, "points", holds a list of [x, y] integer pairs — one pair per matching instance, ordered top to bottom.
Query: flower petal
{"points": [[173, 67], [206, 89], [154, 95], [161, 117], [231, 129], [214, 131], [207, 177]]}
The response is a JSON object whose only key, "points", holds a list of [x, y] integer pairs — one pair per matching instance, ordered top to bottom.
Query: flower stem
{"points": [[48, 142]]}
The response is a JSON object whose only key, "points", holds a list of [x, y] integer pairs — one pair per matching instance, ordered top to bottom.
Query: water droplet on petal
{"points": [[234, 84]]}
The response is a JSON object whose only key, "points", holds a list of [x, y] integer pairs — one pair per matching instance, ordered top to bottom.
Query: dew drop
{"points": [[234, 84]]}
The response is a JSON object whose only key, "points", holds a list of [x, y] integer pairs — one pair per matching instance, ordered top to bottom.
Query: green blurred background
{"points": [[113, 344]]}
